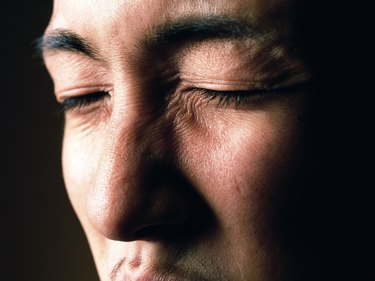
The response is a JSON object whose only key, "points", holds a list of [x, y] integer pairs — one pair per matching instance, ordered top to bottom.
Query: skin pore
{"points": [[184, 124]]}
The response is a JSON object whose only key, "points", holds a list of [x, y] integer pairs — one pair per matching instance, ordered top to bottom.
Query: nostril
{"points": [[200, 223], [160, 232]]}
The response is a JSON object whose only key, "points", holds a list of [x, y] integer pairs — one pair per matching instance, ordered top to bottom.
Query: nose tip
{"points": [[131, 201], [110, 212]]}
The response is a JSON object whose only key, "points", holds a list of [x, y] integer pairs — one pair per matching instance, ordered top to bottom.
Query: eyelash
{"points": [[224, 98], [79, 102]]}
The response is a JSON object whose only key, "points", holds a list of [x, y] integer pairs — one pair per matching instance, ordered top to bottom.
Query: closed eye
{"points": [[226, 98], [237, 98], [78, 102]]}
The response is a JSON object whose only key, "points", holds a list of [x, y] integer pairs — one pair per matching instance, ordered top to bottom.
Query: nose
{"points": [[138, 188]]}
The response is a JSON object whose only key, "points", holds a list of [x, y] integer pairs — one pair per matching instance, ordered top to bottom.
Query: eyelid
{"points": [[236, 83], [219, 85], [241, 86], [210, 89], [71, 92], [238, 97], [80, 98], [227, 98], [80, 102]]}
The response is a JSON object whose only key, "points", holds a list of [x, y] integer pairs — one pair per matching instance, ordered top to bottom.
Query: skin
{"points": [[172, 184]]}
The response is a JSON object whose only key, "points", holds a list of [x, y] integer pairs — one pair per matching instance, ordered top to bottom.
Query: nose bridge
{"points": [[116, 202]]}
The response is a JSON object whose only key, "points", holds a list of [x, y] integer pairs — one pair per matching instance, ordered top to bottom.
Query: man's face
{"points": [[183, 128]]}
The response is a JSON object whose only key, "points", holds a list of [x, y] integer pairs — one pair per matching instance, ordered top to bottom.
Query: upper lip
{"points": [[142, 268], [124, 273], [150, 276]]}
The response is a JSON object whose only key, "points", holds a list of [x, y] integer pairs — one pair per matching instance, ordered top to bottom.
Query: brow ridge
{"points": [[196, 29], [162, 37], [66, 40]]}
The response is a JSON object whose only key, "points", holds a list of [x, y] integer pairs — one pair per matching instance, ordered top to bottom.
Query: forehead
{"points": [[131, 17]]}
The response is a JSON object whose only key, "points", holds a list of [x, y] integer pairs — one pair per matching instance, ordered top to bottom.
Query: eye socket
{"points": [[82, 101]]}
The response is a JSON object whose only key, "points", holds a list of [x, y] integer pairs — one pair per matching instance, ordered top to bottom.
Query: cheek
{"points": [[80, 157], [240, 161], [240, 167]]}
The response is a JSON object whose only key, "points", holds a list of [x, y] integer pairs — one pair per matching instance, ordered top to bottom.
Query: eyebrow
{"points": [[200, 29], [163, 36], [65, 41]]}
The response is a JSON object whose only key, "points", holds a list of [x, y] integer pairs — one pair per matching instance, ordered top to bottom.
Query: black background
{"points": [[41, 237]]}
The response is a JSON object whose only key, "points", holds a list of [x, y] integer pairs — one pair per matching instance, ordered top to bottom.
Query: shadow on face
{"points": [[194, 149]]}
